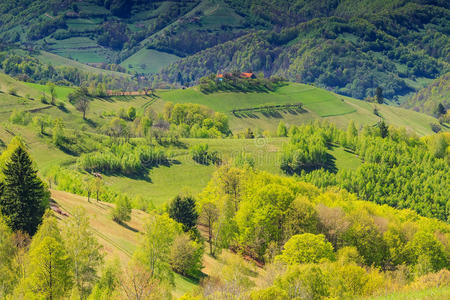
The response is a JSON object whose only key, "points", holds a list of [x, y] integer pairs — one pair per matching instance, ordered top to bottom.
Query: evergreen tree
{"points": [[379, 95], [440, 110], [384, 130], [23, 195], [183, 210]]}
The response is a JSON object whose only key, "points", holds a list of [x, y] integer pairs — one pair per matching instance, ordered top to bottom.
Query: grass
{"points": [[81, 49], [57, 60], [152, 60], [62, 92], [321, 102], [318, 104], [117, 241], [437, 293]]}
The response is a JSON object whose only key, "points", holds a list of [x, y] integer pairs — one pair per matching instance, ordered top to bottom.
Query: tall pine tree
{"points": [[23, 197]]}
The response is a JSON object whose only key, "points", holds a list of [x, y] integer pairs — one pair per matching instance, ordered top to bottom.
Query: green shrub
{"points": [[12, 91], [20, 117]]}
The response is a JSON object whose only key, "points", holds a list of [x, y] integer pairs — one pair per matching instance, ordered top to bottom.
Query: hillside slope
{"points": [[350, 47], [427, 99]]}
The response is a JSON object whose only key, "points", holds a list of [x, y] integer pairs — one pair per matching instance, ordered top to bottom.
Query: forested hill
{"points": [[348, 46], [351, 47], [428, 99]]}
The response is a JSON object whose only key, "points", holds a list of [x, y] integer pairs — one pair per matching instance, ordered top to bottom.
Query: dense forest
{"points": [[350, 47], [218, 149], [398, 170], [316, 243]]}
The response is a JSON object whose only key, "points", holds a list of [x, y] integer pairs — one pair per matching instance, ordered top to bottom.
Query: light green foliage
{"points": [[131, 113], [20, 117], [282, 129], [307, 150], [122, 210], [260, 217], [301, 217], [364, 234], [426, 247], [306, 248], [84, 251], [7, 252], [154, 252], [349, 255], [186, 256], [49, 273], [304, 281], [108, 282]]}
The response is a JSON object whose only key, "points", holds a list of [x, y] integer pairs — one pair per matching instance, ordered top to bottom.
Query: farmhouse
{"points": [[248, 75]]}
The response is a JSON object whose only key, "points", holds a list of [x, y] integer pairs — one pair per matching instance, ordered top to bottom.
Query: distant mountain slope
{"points": [[347, 46], [394, 49], [427, 99]]}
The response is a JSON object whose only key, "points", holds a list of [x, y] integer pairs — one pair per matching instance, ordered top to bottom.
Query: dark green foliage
{"points": [[114, 35], [232, 82], [379, 95], [440, 110], [384, 130], [202, 155], [23, 196], [183, 210]]}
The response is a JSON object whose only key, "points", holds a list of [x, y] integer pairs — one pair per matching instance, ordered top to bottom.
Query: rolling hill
{"points": [[339, 45], [167, 181]]}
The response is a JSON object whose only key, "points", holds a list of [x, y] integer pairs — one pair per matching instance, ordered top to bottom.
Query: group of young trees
{"points": [[30, 69], [233, 82], [123, 158], [398, 169], [343, 247]]}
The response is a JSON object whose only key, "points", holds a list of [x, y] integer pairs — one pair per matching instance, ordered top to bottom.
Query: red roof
{"points": [[247, 75]]}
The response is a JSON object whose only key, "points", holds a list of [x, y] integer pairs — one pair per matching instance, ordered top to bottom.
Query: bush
{"points": [[12, 91], [44, 100], [20, 117], [436, 127], [200, 154], [123, 159], [122, 210], [306, 248], [186, 256]]}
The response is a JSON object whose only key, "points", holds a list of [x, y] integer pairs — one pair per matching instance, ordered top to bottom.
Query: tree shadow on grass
{"points": [[91, 123], [125, 225]]}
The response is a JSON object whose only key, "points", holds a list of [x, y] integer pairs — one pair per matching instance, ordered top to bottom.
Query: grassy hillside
{"points": [[305, 41], [56, 60], [148, 61], [427, 99], [318, 104], [165, 182], [117, 240]]}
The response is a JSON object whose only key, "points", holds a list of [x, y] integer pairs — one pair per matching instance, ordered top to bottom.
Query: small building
{"points": [[248, 75]]}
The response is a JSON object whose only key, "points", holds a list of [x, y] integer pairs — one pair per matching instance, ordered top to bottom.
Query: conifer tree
{"points": [[23, 196], [183, 210]]}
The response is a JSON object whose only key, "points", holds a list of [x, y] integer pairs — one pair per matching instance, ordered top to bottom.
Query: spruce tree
{"points": [[23, 196], [182, 209]]}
